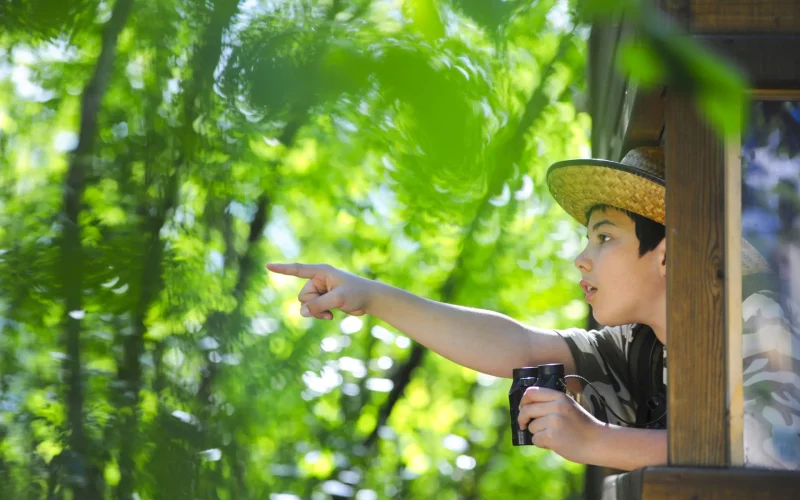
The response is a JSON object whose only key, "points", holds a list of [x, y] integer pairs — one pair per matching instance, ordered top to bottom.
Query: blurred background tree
{"points": [[156, 154]]}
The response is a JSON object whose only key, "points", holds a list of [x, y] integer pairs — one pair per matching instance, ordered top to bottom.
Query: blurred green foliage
{"points": [[405, 141], [156, 154]]}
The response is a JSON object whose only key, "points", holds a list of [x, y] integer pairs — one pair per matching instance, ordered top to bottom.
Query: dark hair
{"points": [[649, 232]]}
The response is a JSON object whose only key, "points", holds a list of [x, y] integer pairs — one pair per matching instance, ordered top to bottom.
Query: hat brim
{"points": [[579, 185]]}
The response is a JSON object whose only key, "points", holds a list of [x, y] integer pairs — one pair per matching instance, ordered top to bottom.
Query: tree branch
{"points": [[72, 247]]}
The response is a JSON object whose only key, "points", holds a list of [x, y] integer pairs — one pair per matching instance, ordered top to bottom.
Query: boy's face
{"points": [[625, 288]]}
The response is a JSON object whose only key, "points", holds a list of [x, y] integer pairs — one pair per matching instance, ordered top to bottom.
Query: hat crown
{"points": [[648, 159]]}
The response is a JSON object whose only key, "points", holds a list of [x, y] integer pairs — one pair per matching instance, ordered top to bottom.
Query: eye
{"points": [[603, 238]]}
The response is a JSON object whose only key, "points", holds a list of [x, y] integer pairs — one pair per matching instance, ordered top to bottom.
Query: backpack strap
{"points": [[645, 363]]}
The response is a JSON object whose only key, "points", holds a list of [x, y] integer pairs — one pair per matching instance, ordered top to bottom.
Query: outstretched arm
{"points": [[479, 339]]}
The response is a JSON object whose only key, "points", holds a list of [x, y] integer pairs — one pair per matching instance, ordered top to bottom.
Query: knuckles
{"points": [[542, 439]]}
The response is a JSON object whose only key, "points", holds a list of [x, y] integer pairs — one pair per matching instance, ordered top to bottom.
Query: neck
{"points": [[657, 319], [660, 329]]}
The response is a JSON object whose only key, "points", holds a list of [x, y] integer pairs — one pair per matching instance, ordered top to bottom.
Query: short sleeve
{"points": [[601, 358]]}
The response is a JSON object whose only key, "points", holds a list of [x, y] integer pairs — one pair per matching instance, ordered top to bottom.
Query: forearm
{"points": [[482, 340], [626, 448]]}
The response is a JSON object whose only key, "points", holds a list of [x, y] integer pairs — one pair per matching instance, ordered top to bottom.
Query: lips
{"points": [[588, 288]]}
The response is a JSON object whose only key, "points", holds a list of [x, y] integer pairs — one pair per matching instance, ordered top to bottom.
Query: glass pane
{"points": [[771, 284]]}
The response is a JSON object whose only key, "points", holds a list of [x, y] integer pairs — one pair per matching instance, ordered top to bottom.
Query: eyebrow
{"points": [[602, 223]]}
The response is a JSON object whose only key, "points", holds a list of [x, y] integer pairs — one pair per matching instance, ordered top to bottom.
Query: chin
{"points": [[598, 316], [608, 319]]}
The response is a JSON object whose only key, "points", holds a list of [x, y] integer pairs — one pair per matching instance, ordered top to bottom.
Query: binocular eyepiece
{"points": [[550, 376]]}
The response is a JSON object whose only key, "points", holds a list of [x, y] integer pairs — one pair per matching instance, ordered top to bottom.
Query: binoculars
{"points": [[550, 376]]}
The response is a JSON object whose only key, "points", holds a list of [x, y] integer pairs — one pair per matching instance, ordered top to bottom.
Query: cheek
{"points": [[613, 269], [623, 280], [643, 283]]}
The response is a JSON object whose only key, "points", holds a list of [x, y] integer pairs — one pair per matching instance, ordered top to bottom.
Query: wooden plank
{"points": [[735, 16], [601, 53], [771, 62], [606, 87], [624, 115], [642, 119], [733, 299], [697, 425], [678, 483], [719, 484], [624, 486]]}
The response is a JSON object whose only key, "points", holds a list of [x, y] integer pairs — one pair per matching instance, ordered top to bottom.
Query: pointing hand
{"points": [[327, 289]]}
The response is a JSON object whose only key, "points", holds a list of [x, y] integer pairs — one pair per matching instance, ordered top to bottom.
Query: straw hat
{"points": [[635, 184]]}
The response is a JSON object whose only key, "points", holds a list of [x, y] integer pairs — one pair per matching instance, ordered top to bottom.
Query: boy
{"points": [[624, 278]]}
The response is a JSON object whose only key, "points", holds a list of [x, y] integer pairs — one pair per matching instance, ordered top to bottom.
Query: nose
{"points": [[583, 262]]}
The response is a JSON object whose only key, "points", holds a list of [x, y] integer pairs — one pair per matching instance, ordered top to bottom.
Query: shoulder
{"points": [[607, 337]]}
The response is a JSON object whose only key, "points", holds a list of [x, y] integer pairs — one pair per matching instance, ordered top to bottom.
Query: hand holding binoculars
{"points": [[550, 376]]}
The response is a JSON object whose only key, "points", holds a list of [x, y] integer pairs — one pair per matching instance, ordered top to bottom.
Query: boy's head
{"points": [[623, 206], [624, 263]]}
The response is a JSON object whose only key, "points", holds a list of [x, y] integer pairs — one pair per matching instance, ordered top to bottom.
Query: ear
{"points": [[661, 252]]}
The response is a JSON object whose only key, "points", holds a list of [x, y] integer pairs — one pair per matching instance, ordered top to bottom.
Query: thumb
{"points": [[322, 306]]}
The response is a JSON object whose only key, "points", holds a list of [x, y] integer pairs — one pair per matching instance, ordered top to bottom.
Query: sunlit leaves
{"points": [[492, 14], [425, 18], [45, 19], [364, 139]]}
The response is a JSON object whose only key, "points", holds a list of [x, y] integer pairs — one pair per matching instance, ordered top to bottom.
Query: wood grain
{"points": [[735, 16], [770, 61], [642, 119], [697, 427], [676, 483], [720, 484]]}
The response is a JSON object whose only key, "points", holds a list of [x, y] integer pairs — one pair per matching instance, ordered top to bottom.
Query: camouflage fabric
{"points": [[771, 355], [601, 357]]}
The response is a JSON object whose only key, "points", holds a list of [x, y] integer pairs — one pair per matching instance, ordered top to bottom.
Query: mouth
{"points": [[588, 289]]}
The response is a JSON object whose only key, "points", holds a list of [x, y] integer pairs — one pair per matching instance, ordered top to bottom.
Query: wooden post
{"points": [[695, 223], [733, 300]]}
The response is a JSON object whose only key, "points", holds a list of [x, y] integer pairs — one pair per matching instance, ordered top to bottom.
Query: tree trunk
{"points": [[204, 62], [72, 248]]}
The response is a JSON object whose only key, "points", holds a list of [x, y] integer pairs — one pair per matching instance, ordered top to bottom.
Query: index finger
{"points": [[307, 271], [540, 395]]}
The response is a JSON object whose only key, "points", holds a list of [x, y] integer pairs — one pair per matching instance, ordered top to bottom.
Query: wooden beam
{"points": [[735, 16], [770, 62], [641, 122], [695, 221], [675, 483]]}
